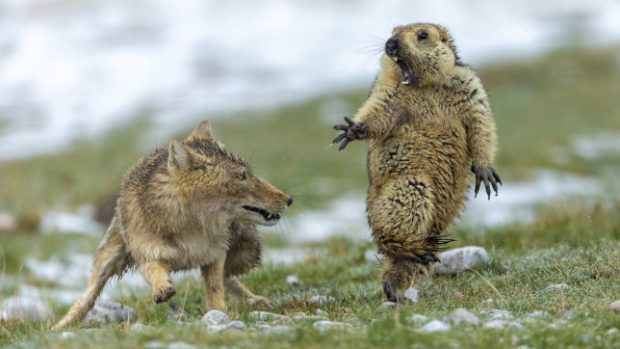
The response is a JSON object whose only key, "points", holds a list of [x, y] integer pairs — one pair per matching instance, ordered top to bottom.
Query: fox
{"points": [[190, 205]]}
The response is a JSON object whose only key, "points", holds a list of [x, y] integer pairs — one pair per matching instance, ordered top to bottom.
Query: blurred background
{"points": [[86, 87]]}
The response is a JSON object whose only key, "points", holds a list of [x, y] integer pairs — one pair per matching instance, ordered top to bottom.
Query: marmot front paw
{"points": [[351, 131], [489, 176]]}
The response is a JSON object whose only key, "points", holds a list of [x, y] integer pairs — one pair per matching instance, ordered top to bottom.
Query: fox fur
{"points": [[190, 205]]}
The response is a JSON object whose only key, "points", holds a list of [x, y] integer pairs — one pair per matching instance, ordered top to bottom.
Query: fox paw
{"points": [[351, 131], [489, 176], [163, 293], [260, 302]]}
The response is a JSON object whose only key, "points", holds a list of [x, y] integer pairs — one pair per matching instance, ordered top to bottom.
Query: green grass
{"points": [[540, 105]]}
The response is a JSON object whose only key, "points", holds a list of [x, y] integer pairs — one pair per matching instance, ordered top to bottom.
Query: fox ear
{"points": [[202, 131], [179, 156]]}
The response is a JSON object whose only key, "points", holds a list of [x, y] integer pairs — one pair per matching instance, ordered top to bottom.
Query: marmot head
{"points": [[420, 52]]}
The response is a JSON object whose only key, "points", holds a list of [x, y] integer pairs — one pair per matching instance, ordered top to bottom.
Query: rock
{"points": [[8, 223], [461, 259], [292, 280], [553, 287], [412, 294], [458, 295], [321, 300], [487, 301], [24, 305], [388, 305], [615, 306], [108, 312], [322, 313], [498, 314], [537, 314], [462, 315], [267, 316], [301, 316], [215, 317], [417, 319], [495, 324], [557, 324], [236, 325], [325, 325], [435, 326], [516, 326], [137, 327], [215, 328], [273, 329], [612, 331], [66, 335], [154, 345], [180, 345]]}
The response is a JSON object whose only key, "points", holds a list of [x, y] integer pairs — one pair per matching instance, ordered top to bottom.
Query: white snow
{"points": [[75, 69], [596, 146]]}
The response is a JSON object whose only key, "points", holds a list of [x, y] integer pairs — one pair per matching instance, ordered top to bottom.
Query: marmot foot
{"points": [[351, 131]]}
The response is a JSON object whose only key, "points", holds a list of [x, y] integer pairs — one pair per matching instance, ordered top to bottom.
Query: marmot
{"points": [[428, 122], [191, 205]]}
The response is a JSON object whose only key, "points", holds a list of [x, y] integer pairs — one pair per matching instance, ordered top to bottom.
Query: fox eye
{"points": [[422, 35], [242, 176]]}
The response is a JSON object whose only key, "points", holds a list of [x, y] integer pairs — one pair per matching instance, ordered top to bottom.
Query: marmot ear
{"points": [[202, 131], [179, 156]]}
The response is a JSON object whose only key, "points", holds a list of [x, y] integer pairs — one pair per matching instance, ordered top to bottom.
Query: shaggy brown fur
{"points": [[428, 122], [192, 205]]}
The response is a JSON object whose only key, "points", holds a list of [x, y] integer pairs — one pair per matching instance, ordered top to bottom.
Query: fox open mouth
{"points": [[270, 217]]}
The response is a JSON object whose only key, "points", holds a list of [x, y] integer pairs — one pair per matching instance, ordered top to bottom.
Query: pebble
{"points": [[8, 224], [461, 259], [292, 280], [561, 286], [412, 294], [458, 295], [321, 300], [487, 301], [388, 305], [615, 306], [21, 307], [107, 312], [320, 312], [498, 314], [537, 314], [462, 315], [267, 316], [303, 316], [215, 317], [417, 318], [495, 324], [557, 324], [236, 325], [325, 325], [435, 326], [516, 326], [137, 327], [273, 329], [612, 331], [66, 335], [154, 345], [180, 345]]}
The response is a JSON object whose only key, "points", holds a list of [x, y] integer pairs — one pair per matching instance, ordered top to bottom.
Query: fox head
{"points": [[420, 53], [208, 175]]}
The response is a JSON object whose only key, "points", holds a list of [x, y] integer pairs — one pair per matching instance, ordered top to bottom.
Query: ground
{"points": [[543, 107]]}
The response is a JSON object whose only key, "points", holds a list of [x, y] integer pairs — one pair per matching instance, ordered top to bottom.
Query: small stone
{"points": [[8, 223], [461, 259], [292, 280], [561, 286], [412, 294], [458, 295], [321, 300], [488, 301], [388, 305], [615, 306], [108, 312], [320, 312], [498, 314], [537, 314], [462, 315], [267, 316], [301, 316], [215, 317], [417, 319], [495, 324], [557, 324], [236, 325], [325, 325], [435, 326], [516, 326], [137, 327], [215, 328], [273, 329], [612, 331], [66, 335], [154, 345], [180, 345]]}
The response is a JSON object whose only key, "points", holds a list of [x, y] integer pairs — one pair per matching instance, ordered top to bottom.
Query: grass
{"points": [[541, 106]]}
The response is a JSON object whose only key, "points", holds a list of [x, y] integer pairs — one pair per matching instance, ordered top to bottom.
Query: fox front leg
{"points": [[351, 131]]}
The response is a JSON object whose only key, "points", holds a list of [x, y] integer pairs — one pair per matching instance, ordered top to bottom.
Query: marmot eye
{"points": [[422, 35]]}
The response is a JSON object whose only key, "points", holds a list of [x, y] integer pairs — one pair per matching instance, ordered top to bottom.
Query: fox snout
{"points": [[266, 204]]}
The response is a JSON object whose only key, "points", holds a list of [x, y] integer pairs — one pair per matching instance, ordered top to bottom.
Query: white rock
{"points": [[8, 223], [461, 259], [292, 280], [562, 286], [412, 294], [321, 300], [26, 304], [388, 305], [615, 306], [107, 312], [320, 312], [498, 314], [537, 314], [462, 315], [267, 316], [303, 316], [215, 317], [417, 319], [495, 324], [557, 324], [236, 325], [325, 325], [435, 326], [516, 326], [137, 327], [215, 328], [273, 329], [66, 335], [154, 345], [180, 345]]}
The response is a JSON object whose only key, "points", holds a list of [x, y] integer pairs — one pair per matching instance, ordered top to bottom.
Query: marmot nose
{"points": [[391, 47], [289, 201]]}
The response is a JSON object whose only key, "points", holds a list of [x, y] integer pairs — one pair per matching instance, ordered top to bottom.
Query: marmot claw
{"points": [[351, 131], [489, 176]]}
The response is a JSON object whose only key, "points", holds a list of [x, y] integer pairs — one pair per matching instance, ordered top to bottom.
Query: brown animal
{"points": [[428, 122], [192, 205]]}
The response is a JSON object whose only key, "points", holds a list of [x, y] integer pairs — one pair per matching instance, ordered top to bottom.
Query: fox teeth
{"points": [[269, 216]]}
